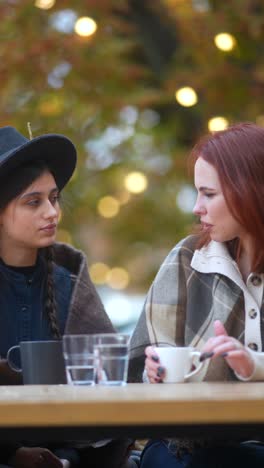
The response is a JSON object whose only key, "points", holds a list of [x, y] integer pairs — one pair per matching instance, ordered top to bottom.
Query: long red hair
{"points": [[237, 154]]}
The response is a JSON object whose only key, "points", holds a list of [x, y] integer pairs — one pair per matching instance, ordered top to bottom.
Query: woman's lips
{"points": [[206, 226], [49, 228]]}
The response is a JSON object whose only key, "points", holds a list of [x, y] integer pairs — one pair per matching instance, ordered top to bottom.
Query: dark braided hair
{"points": [[11, 187], [50, 304]]}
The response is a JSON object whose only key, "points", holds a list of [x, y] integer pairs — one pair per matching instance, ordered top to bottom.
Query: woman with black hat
{"points": [[45, 289]]}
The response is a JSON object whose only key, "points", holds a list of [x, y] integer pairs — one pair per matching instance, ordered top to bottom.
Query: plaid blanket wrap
{"points": [[180, 309]]}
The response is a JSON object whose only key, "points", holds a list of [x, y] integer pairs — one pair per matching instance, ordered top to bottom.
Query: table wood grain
{"points": [[132, 405]]}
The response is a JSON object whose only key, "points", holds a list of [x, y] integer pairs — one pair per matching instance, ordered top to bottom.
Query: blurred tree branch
{"points": [[113, 94]]}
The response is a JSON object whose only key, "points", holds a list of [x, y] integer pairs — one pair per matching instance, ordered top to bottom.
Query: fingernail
{"points": [[224, 354], [206, 356], [155, 358], [160, 371], [158, 380]]}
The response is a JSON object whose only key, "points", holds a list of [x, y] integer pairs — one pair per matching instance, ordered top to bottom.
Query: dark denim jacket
{"points": [[22, 297], [22, 318]]}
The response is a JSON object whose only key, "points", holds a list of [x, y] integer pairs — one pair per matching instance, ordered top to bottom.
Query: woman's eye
{"points": [[209, 195], [55, 199], [33, 202]]}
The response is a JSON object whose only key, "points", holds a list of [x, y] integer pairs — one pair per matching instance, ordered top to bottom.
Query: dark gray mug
{"points": [[42, 362]]}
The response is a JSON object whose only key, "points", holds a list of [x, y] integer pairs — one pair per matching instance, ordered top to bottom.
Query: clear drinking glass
{"points": [[111, 351], [79, 358]]}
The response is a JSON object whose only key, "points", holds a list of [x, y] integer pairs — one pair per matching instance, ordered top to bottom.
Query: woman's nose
{"points": [[198, 208], [51, 211]]}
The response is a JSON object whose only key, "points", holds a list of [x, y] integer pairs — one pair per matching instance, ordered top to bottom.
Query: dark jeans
{"points": [[157, 454], [113, 455]]}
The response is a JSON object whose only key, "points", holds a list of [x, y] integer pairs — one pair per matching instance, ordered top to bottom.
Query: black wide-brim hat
{"points": [[56, 150]]}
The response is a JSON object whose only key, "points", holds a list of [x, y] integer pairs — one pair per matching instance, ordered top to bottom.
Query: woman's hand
{"points": [[235, 354], [154, 370], [35, 457]]}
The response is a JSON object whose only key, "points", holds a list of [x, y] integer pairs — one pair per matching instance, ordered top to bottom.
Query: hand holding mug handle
{"points": [[9, 359], [199, 368]]}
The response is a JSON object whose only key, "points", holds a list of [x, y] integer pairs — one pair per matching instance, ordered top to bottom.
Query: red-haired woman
{"points": [[208, 292]]}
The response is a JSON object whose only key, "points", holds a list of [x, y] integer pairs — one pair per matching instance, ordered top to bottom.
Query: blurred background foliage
{"points": [[112, 91]]}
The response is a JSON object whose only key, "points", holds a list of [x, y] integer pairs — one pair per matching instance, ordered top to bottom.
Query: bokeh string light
{"points": [[44, 4], [85, 26], [225, 41], [186, 96], [217, 123], [136, 182], [108, 206]]}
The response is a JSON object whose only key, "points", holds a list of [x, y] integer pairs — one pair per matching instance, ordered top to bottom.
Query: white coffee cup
{"points": [[178, 363]]}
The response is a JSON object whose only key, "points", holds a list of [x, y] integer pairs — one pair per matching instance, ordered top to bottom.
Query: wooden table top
{"points": [[134, 404]]}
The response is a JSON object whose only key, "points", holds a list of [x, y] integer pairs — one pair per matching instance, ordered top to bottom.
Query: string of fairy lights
{"points": [[186, 96], [135, 183], [108, 207]]}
